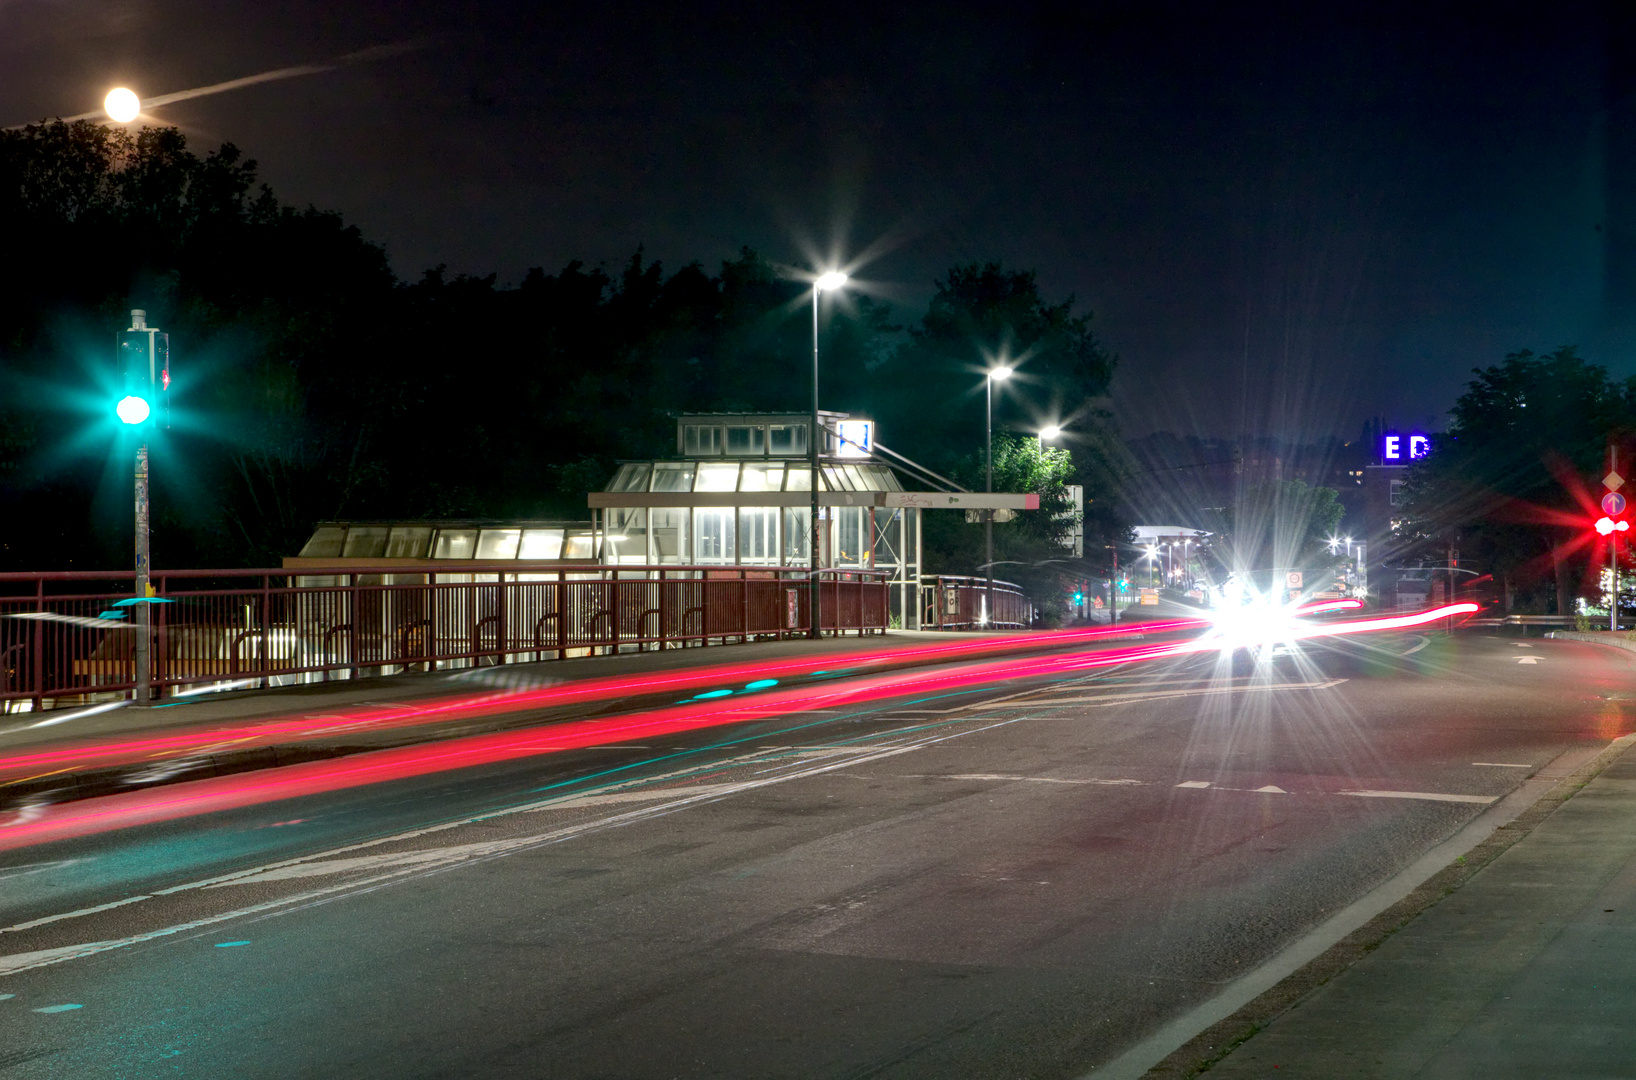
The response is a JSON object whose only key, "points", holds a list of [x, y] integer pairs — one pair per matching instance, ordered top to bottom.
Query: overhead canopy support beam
{"points": [[929, 500]]}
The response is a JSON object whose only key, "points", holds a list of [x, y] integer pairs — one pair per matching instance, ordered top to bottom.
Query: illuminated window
{"points": [[722, 477], [762, 478], [799, 478], [1396, 496], [713, 532], [758, 534], [797, 534], [498, 543], [540, 544], [577, 546]]}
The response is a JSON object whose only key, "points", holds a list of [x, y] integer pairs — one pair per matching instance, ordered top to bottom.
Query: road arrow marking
{"points": [[1520, 645], [1527, 659], [1194, 783], [1272, 789]]}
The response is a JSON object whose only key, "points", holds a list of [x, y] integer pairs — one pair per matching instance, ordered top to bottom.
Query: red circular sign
{"points": [[1613, 504]]}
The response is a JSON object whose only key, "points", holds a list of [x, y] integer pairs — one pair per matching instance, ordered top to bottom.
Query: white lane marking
{"points": [[1424, 641], [1520, 645], [1527, 659], [1123, 699], [1501, 765], [1035, 779], [1194, 783], [1270, 789], [644, 795], [1432, 796], [450, 856], [73, 914], [7, 997], [59, 1008]]}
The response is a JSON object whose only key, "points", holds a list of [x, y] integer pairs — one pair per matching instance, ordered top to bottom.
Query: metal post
{"points": [[988, 515], [1613, 570], [1113, 590], [815, 630], [144, 671]]}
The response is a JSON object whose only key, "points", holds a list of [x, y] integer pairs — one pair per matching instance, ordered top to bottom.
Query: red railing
{"points": [[956, 602], [276, 627]]}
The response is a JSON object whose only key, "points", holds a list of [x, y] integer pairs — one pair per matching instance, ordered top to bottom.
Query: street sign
{"points": [[1613, 481], [1613, 504]]}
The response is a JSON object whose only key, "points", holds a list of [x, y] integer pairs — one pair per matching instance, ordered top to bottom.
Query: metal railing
{"points": [[955, 602], [63, 637]]}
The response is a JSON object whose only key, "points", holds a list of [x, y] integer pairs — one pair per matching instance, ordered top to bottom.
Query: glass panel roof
{"points": [[717, 477]]}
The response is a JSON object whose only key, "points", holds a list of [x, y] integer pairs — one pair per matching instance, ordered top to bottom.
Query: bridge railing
{"points": [[958, 602], [65, 638]]}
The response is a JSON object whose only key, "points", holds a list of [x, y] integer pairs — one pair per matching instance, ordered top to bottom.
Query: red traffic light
{"points": [[1608, 525]]}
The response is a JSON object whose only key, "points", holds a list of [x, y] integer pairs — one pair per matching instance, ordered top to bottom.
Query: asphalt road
{"points": [[1019, 881]]}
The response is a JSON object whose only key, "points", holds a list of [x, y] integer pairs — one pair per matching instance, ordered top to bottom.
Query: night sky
{"points": [[1285, 220]]}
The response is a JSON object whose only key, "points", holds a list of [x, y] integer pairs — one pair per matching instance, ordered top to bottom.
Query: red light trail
{"points": [[38, 824]]}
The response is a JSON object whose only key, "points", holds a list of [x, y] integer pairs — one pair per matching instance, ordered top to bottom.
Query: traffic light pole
{"points": [[144, 634]]}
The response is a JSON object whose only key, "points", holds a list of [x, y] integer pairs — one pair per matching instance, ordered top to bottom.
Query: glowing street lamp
{"points": [[826, 282]]}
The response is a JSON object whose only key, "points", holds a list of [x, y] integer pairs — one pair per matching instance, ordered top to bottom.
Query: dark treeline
{"points": [[311, 383]]}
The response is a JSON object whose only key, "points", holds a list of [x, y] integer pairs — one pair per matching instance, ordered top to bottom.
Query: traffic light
{"points": [[143, 355], [1079, 597]]}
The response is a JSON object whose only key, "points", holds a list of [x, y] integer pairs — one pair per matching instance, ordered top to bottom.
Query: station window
{"points": [[787, 439], [701, 440], [743, 440], [668, 476], [723, 477], [630, 478], [762, 478], [1396, 496], [714, 532], [797, 533], [758, 534], [670, 535], [365, 542], [408, 542], [325, 543], [498, 543], [454, 544], [541, 544], [577, 546]]}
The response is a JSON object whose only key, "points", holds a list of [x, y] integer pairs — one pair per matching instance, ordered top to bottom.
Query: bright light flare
{"points": [[122, 105], [830, 282], [1001, 373], [132, 410], [1050, 433], [1608, 525]]}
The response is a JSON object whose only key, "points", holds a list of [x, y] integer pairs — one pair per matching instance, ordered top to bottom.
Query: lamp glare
{"points": [[831, 281], [999, 373], [132, 410], [1051, 432]]}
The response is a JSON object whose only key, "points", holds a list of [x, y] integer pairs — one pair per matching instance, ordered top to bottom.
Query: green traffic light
{"points": [[132, 409]]}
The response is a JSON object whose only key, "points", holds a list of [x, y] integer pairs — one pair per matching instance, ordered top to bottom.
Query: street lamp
{"points": [[827, 282], [995, 374], [1049, 433]]}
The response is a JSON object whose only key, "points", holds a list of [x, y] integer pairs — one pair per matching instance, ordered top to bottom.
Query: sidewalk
{"points": [[54, 755], [1526, 970]]}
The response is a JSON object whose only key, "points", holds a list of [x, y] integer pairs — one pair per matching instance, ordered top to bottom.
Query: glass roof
{"points": [[750, 476]]}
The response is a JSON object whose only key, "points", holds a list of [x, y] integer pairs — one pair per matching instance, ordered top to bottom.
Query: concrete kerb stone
{"points": [[1602, 637], [1210, 1046]]}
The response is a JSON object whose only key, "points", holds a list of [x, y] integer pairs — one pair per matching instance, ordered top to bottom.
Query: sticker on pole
{"points": [[1613, 504], [1292, 579]]}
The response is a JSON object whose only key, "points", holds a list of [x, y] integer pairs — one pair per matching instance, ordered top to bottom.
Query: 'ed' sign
{"points": [[1395, 447]]}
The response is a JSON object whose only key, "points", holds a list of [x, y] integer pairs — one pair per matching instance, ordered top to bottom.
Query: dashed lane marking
{"points": [[1103, 700], [1501, 765], [1430, 796]]}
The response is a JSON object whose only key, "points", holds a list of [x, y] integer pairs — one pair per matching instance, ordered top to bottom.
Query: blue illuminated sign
{"points": [[1395, 447]]}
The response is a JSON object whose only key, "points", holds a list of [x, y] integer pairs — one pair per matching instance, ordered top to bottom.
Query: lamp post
{"points": [[827, 282], [995, 374]]}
